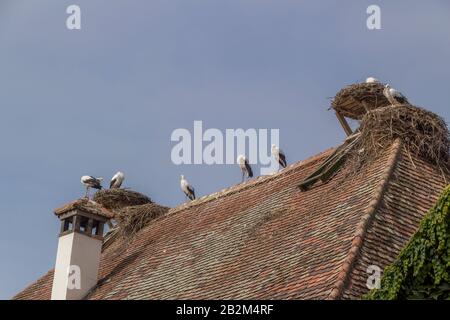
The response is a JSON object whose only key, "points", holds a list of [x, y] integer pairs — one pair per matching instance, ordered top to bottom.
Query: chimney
{"points": [[79, 249]]}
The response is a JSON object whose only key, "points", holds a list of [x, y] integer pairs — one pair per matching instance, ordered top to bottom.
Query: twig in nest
{"points": [[423, 133], [117, 199], [132, 219]]}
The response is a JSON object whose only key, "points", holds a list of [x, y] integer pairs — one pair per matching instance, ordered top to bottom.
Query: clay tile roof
{"points": [[85, 205], [266, 239]]}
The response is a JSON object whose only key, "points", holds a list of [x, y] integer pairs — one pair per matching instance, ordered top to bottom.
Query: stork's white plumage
{"points": [[372, 80], [394, 96], [279, 155], [245, 167], [117, 180], [91, 182], [187, 188]]}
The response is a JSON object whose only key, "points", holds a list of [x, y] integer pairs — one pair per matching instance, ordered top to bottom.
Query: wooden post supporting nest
{"points": [[344, 123]]}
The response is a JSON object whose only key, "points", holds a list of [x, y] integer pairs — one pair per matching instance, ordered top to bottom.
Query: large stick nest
{"points": [[353, 100], [422, 132], [116, 199], [134, 218]]}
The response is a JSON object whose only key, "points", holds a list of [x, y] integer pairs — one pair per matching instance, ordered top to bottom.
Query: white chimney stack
{"points": [[79, 249]]}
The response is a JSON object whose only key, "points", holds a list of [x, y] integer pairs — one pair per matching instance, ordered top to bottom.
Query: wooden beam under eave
{"points": [[344, 123]]}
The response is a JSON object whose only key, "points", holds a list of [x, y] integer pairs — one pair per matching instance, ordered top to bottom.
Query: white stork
{"points": [[372, 80], [394, 96], [279, 155], [245, 167], [117, 180], [91, 182], [187, 188]]}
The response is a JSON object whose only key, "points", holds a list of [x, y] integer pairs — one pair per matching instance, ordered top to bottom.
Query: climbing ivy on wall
{"points": [[422, 269]]}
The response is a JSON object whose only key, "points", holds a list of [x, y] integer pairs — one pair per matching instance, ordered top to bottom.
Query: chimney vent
{"points": [[79, 249]]}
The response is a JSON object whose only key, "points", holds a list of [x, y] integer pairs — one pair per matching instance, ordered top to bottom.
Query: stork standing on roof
{"points": [[372, 80], [394, 97], [279, 155], [245, 167], [117, 180], [91, 182], [187, 188]]}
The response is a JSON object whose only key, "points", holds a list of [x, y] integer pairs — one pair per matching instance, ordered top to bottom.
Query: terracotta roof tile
{"points": [[411, 192], [265, 239]]}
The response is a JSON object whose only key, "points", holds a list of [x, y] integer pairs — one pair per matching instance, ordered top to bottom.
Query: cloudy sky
{"points": [[108, 96]]}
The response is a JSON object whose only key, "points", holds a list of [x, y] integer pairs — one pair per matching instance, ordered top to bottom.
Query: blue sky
{"points": [[108, 96]]}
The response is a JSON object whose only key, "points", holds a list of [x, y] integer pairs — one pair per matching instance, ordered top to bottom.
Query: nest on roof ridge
{"points": [[353, 100], [422, 132], [117, 199], [134, 218]]}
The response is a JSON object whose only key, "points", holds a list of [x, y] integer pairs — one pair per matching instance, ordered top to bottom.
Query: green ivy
{"points": [[422, 269]]}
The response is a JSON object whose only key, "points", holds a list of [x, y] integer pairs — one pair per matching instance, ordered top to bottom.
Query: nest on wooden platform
{"points": [[355, 100], [422, 132], [117, 199], [134, 218]]}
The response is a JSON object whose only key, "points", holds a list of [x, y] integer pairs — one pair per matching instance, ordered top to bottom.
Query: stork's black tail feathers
{"points": [[402, 100], [282, 160], [249, 169], [191, 194]]}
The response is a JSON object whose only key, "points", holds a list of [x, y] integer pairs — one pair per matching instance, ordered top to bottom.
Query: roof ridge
{"points": [[247, 184], [362, 227]]}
